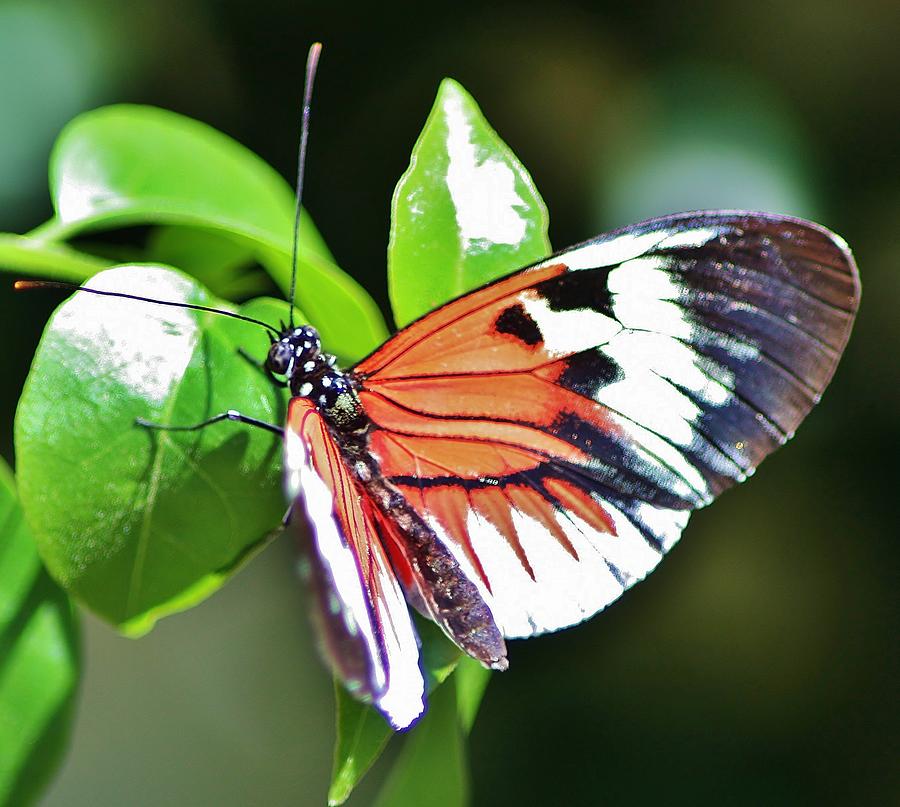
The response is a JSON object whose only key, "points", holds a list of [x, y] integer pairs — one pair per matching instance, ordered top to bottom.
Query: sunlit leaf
{"points": [[129, 164], [125, 165], [464, 213], [24, 255], [141, 523], [39, 659], [362, 734]]}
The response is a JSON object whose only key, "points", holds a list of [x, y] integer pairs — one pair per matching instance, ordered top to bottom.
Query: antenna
{"points": [[312, 61], [25, 285]]}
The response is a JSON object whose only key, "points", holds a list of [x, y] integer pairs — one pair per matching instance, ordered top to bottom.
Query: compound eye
{"points": [[279, 359]]}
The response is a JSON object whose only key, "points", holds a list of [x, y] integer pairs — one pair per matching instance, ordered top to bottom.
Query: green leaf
{"points": [[124, 164], [127, 164], [465, 212], [24, 255], [225, 266], [140, 523], [39, 659], [471, 681], [362, 733], [432, 766]]}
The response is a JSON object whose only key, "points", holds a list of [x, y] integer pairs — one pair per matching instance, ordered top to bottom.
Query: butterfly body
{"points": [[511, 462], [382, 550]]}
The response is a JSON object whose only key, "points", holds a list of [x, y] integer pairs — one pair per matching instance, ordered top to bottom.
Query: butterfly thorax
{"points": [[297, 355]]}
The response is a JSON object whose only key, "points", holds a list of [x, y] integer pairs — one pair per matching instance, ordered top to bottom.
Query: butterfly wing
{"points": [[556, 427], [367, 635]]}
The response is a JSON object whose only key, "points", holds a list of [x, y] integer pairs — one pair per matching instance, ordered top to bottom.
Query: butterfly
{"points": [[513, 461], [510, 463]]}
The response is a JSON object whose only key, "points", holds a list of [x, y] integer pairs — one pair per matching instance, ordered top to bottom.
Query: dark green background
{"points": [[759, 664]]}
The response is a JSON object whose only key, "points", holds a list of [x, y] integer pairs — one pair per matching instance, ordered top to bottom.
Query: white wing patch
{"points": [[624, 247], [644, 277], [567, 332], [673, 360], [341, 565], [565, 590], [370, 604], [402, 701]]}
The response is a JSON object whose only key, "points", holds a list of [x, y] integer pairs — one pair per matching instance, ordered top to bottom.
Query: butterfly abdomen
{"points": [[432, 577]]}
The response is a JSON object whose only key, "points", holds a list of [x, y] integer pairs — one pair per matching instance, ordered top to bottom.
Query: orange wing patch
{"points": [[458, 336]]}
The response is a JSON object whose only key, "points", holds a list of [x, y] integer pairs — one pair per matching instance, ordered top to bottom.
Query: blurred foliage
{"points": [[39, 659], [759, 664]]}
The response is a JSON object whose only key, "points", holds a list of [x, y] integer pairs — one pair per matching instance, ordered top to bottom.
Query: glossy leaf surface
{"points": [[125, 165], [465, 212], [140, 523], [39, 659]]}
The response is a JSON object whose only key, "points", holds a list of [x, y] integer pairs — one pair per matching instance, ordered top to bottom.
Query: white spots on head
{"points": [[483, 191], [565, 332], [143, 347]]}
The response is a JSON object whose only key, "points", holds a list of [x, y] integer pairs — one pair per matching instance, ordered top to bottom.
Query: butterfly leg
{"points": [[261, 366], [231, 414]]}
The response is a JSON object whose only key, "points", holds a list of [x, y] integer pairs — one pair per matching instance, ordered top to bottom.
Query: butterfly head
{"points": [[297, 355]]}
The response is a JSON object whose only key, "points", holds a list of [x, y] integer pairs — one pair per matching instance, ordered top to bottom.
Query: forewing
{"points": [[556, 427], [367, 635]]}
